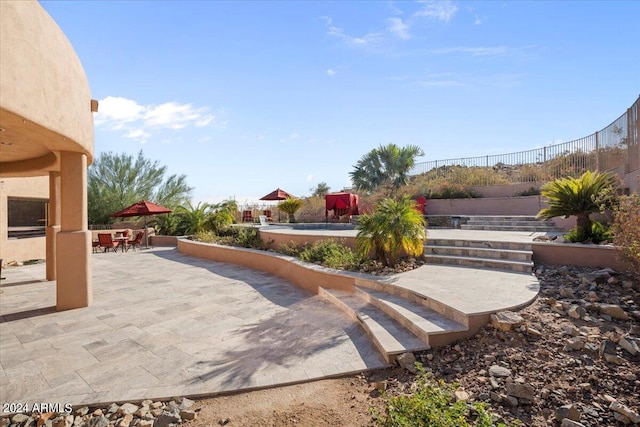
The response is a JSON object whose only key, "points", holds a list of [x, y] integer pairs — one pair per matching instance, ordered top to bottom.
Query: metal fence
{"points": [[615, 145]]}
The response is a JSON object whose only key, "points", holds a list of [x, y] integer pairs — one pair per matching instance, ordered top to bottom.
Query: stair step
{"points": [[502, 222], [530, 228], [480, 244], [507, 254], [497, 264], [420, 320], [388, 335]]}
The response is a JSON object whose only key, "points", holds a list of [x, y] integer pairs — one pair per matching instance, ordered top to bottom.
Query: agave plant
{"points": [[576, 197], [290, 206], [394, 226]]}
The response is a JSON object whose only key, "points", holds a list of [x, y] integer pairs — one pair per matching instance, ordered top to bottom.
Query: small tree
{"points": [[321, 190], [576, 197], [290, 206], [193, 219], [394, 226]]}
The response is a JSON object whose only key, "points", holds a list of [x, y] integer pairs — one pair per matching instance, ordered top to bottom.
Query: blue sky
{"points": [[246, 96]]}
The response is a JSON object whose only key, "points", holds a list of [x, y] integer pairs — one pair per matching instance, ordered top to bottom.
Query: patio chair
{"points": [[267, 213], [247, 216], [105, 240], [135, 243]]}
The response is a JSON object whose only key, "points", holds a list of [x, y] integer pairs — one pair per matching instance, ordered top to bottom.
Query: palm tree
{"points": [[387, 165], [321, 190], [577, 197], [290, 206], [222, 214], [194, 218], [392, 227]]}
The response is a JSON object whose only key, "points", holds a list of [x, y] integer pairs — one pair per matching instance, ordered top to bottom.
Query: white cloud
{"points": [[438, 10], [477, 20], [399, 28], [365, 40], [473, 51], [331, 72], [140, 121], [291, 137], [309, 178]]}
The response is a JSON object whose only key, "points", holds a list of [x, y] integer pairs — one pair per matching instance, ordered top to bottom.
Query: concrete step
{"points": [[487, 218], [509, 223], [530, 228], [515, 246], [508, 254], [485, 263], [430, 326], [387, 334]]}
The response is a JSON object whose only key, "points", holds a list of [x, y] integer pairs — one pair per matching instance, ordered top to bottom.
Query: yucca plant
{"points": [[576, 197], [290, 206], [394, 226]]}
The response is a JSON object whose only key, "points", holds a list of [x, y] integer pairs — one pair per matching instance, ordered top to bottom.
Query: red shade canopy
{"points": [[277, 194], [341, 203], [142, 208]]}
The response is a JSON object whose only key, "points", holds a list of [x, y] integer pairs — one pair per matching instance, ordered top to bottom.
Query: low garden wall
{"points": [[503, 206], [579, 255], [305, 276]]}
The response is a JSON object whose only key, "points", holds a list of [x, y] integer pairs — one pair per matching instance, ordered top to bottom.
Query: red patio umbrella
{"points": [[277, 194], [142, 208]]}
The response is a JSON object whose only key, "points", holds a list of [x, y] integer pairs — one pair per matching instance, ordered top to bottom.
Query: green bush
{"points": [[446, 190], [626, 230], [599, 233], [246, 237], [331, 254], [433, 404]]}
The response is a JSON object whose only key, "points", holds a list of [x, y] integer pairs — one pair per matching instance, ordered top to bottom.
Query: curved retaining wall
{"points": [[308, 277]]}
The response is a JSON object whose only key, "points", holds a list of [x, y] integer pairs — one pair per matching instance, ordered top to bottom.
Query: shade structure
{"points": [[277, 194], [341, 204], [142, 208]]}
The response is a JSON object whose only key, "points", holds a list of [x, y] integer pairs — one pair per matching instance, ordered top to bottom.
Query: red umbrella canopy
{"points": [[277, 194], [142, 208]]}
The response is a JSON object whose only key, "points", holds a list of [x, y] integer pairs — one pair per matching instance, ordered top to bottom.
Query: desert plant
{"points": [[446, 190], [576, 197], [290, 206], [222, 214], [194, 218], [394, 226], [626, 228], [599, 233], [331, 253], [433, 404]]}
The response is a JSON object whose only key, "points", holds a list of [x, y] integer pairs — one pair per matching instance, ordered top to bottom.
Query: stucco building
{"points": [[46, 144]]}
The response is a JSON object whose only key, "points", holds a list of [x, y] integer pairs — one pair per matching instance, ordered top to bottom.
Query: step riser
{"points": [[510, 223], [503, 228], [481, 244], [478, 253], [480, 263], [437, 306], [394, 315], [389, 358]]}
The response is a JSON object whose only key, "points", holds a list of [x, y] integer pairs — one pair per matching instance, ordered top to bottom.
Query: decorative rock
{"points": [[567, 293], [614, 311], [576, 312], [506, 320], [570, 330], [533, 332], [575, 344], [629, 344], [608, 347], [613, 358], [408, 362], [499, 371], [521, 391], [461, 394], [510, 400], [186, 403], [128, 408], [623, 410], [567, 411], [188, 415], [19, 418], [621, 418], [165, 420], [100, 421], [125, 421], [145, 423], [570, 423]]}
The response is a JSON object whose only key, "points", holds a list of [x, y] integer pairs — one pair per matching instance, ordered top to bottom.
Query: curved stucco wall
{"points": [[42, 79]]}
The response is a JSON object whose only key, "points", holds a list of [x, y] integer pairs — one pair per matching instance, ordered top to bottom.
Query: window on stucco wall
{"points": [[26, 217]]}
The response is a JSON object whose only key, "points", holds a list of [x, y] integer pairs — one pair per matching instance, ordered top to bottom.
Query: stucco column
{"points": [[53, 225], [73, 241]]}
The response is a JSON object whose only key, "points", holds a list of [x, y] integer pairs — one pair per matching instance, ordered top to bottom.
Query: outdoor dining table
{"points": [[122, 242]]}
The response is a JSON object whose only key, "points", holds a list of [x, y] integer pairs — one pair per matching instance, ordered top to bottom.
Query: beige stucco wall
{"points": [[45, 101], [528, 205], [21, 249], [578, 254]]}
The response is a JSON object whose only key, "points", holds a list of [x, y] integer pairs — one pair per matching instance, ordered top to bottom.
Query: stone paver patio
{"points": [[163, 324]]}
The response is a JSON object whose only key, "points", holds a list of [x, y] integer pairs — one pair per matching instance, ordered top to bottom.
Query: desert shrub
{"points": [[446, 190], [531, 191], [626, 228], [246, 237], [290, 248], [332, 254], [433, 404]]}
